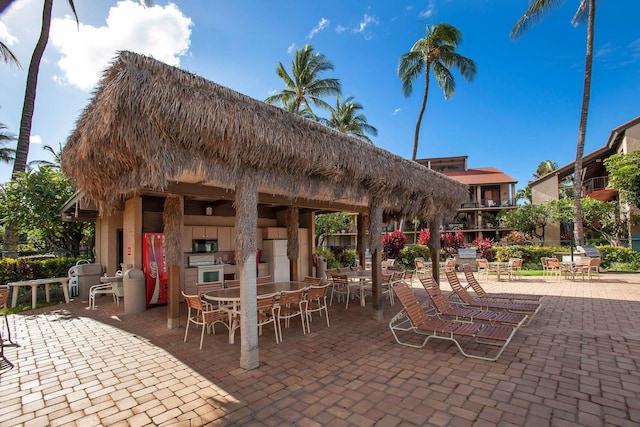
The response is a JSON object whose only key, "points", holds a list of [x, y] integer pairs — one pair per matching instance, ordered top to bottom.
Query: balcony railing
{"points": [[595, 184], [489, 203]]}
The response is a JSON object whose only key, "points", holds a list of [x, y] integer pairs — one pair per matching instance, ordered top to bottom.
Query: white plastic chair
{"points": [[114, 288]]}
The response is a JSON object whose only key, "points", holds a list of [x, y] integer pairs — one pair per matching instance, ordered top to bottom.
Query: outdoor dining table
{"points": [[498, 267], [363, 279], [62, 281], [232, 295]]}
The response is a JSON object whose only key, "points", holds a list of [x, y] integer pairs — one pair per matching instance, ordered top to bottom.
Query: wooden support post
{"points": [[375, 246]]}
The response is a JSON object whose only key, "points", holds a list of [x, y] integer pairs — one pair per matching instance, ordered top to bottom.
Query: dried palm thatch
{"points": [[148, 123], [172, 218]]}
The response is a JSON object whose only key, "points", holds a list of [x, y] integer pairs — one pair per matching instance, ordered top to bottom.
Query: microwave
{"points": [[205, 246]]}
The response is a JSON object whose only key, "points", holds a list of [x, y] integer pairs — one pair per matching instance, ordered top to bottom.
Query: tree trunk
{"points": [[586, 93], [424, 106], [22, 149]]}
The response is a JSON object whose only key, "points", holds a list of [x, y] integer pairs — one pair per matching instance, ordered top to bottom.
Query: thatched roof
{"points": [[149, 123]]}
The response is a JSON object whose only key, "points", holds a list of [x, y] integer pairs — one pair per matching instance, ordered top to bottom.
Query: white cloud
{"points": [[429, 11], [366, 22], [321, 26], [340, 29], [161, 32], [5, 35], [634, 47], [291, 48], [605, 51], [396, 111], [35, 139]]}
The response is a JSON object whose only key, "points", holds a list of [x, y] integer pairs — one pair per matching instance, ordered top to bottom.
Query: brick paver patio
{"points": [[576, 364]]}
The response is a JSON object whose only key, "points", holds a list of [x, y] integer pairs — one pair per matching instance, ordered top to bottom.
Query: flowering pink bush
{"points": [[424, 236], [393, 243], [483, 247]]}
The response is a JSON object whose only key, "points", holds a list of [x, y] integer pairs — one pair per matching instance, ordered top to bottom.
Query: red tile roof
{"points": [[481, 176]]}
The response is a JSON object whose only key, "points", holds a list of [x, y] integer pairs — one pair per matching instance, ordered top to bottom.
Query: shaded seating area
{"points": [[479, 290], [475, 340]]}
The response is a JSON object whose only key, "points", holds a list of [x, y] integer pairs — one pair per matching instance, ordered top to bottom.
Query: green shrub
{"points": [[409, 253], [530, 254], [615, 255], [341, 258], [346, 258], [627, 267], [12, 270]]}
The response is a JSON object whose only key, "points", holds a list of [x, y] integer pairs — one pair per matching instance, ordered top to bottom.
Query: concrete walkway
{"points": [[576, 364]]}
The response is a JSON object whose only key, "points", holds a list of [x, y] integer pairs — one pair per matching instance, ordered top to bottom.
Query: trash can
{"points": [[322, 267], [88, 275], [135, 291]]}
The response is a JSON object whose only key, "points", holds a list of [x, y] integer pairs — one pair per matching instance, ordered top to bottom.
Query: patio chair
{"points": [[420, 265], [594, 267], [483, 268], [515, 268], [553, 268], [330, 272], [408, 277], [264, 279], [315, 281], [387, 282], [232, 283], [340, 287], [114, 288], [203, 288], [480, 292], [466, 300], [316, 302], [4, 304], [292, 304], [444, 309], [267, 313], [199, 315], [413, 319], [5, 364]]}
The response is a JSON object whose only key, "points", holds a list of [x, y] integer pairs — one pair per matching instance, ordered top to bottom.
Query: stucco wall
{"points": [[542, 192]]}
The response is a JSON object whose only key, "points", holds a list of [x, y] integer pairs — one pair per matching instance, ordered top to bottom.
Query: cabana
{"points": [[155, 129]]}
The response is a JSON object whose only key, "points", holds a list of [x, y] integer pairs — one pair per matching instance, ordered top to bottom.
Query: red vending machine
{"points": [[155, 270]]}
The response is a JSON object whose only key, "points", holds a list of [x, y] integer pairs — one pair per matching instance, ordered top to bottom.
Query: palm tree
{"points": [[586, 10], [437, 50], [8, 56], [305, 86], [345, 118], [22, 150], [6, 154], [57, 158], [544, 167], [524, 194]]}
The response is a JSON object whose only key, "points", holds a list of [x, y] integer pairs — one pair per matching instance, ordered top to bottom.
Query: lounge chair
{"points": [[477, 288], [466, 300], [444, 309], [412, 318]]}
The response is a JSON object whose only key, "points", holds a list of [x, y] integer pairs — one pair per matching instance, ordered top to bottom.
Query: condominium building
{"points": [[490, 191]]}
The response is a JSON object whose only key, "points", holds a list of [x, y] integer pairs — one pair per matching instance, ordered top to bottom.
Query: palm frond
{"points": [[581, 14], [533, 15], [7, 55]]}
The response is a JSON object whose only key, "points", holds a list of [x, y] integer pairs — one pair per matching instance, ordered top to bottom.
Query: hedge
{"points": [[624, 259], [12, 270]]}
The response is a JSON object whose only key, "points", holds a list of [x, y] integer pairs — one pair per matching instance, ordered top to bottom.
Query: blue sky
{"points": [[522, 107]]}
